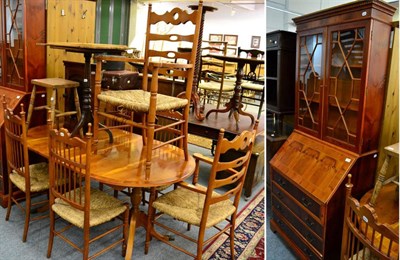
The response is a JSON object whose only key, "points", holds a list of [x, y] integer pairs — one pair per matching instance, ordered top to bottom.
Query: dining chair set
{"points": [[65, 178]]}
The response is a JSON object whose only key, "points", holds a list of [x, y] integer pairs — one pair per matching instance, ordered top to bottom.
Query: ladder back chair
{"points": [[159, 56], [213, 79], [253, 86], [31, 179], [74, 200], [206, 206], [363, 236]]}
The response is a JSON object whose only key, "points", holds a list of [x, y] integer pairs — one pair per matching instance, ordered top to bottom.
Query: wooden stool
{"points": [[53, 84]]}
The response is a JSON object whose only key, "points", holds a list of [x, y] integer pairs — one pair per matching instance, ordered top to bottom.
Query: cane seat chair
{"points": [[213, 77], [253, 85], [147, 102], [31, 179], [74, 200], [206, 206], [363, 236]]}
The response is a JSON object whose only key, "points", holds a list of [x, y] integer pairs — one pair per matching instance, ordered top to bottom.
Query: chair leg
{"points": [[31, 105], [149, 142], [10, 199], [27, 216], [150, 219], [125, 231], [51, 235], [232, 236], [86, 239]]}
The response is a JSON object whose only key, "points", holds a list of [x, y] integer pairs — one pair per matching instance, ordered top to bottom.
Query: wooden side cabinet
{"points": [[342, 56], [281, 61]]}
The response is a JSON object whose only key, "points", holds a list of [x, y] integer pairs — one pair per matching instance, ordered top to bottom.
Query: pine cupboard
{"points": [[342, 56]]}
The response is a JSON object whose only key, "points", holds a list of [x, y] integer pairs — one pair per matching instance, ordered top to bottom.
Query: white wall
{"points": [[226, 20]]}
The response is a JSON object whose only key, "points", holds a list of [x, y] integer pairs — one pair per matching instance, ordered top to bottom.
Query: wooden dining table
{"points": [[122, 164]]}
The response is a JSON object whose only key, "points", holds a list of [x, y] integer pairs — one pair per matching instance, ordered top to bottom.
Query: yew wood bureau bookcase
{"points": [[342, 56]]}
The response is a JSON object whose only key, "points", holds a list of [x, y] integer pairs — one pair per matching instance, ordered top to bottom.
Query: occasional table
{"points": [[88, 49], [234, 106], [121, 165]]}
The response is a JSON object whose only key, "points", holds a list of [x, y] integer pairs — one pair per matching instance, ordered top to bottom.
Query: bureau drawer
{"points": [[297, 194], [308, 220], [311, 237], [297, 241]]}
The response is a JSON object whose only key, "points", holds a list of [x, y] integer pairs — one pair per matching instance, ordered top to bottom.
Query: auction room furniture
{"points": [[23, 25], [88, 50], [281, 63], [212, 77], [253, 81], [54, 86], [340, 86], [147, 102], [234, 106], [392, 152], [121, 164], [31, 179], [72, 198], [203, 206], [365, 235]]}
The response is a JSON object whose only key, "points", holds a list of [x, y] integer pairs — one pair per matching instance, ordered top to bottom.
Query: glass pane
{"points": [[14, 42], [310, 80], [345, 84]]}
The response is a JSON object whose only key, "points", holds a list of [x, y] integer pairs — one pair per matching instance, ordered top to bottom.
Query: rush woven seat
{"points": [[161, 61], [124, 98], [30, 179], [205, 206]]}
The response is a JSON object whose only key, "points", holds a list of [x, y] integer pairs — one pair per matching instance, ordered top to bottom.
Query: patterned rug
{"points": [[249, 234]]}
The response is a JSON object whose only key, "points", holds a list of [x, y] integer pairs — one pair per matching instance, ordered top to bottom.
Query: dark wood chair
{"points": [[158, 62], [253, 86], [30, 179], [74, 200], [204, 206], [363, 236]]}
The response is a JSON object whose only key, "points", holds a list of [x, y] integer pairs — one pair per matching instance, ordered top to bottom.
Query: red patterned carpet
{"points": [[249, 234]]}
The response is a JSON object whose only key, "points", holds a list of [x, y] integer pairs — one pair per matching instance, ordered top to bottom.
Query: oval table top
{"points": [[123, 163]]}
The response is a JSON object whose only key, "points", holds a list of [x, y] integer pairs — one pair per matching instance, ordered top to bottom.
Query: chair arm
{"points": [[200, 157]]}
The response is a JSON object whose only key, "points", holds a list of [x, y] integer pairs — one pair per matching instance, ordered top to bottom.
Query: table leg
{"points": [[86, 97], [234, 106], [380, 180], [136, 198]]}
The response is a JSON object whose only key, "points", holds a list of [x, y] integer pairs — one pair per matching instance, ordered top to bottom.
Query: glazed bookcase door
{"points": [[14, 43], [310, 79], [345, 88]]}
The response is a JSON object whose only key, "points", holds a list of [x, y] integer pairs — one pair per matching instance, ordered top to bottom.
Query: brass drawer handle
{"points": [[281, 182], [279, 194], [305, 202], [309, 222], [310, 238]]}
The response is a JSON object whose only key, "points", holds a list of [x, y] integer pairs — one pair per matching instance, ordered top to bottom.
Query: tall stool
{"points": [[53, 85]]}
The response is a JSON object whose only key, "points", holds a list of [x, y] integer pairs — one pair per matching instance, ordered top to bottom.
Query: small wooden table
{"points": [[88, 49], [234, 106], [122, 164]]}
